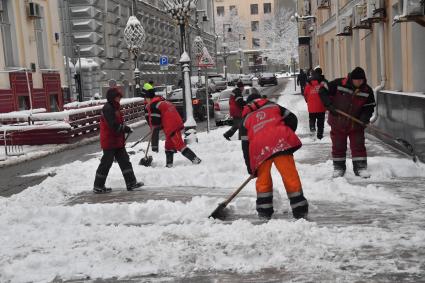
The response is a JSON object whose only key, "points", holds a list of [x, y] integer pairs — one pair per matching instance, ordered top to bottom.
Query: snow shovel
{"points": [[140, 140], [409, 148], [147, 160], [218, 212]]}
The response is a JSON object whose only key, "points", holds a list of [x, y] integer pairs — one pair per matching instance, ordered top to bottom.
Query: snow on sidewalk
{"points": [[358, 229]]}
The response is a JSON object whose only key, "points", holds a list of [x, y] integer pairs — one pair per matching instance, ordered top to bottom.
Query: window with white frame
{"points": [[6, 26], [41, 40]]}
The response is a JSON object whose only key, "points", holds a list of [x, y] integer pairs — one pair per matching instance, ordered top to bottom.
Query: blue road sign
{"points": [[163, 61]]}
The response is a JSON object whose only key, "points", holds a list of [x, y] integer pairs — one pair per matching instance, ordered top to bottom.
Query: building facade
{"points": [[97, 27], [386, 39], [244, 43], [31, 64]]}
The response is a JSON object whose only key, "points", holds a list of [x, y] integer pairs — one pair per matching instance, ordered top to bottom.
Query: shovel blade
{"points": [[408, 147], [146, 161], [218, 213]]}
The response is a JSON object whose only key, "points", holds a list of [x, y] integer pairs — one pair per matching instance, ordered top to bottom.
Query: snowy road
{"points": [[359, 230]]}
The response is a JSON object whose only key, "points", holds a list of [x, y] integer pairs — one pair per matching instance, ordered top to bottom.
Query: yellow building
{"points": [[30, 41]]}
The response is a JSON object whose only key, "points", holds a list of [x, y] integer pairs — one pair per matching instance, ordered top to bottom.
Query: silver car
{"points": [[246, 80], [221, 105]]}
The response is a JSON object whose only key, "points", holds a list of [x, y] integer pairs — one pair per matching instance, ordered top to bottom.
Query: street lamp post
{"points": [[180, 11], [134, 36], [225, 54], [240, 54]]}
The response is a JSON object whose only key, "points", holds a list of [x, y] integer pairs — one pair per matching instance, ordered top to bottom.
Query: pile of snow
{"points": [[44, 238]]}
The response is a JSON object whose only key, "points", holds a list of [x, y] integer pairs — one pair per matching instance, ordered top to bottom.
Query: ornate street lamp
{"points": [[180, 11], [134, 36]]}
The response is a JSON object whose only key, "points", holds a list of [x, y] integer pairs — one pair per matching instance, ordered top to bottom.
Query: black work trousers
{"points": [[319, 120], [235, 127], [121, 156]]}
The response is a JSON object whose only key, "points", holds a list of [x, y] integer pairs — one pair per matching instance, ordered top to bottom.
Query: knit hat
{"points": [[318, 70], [358, 74], [240, 84], [112, 93]]}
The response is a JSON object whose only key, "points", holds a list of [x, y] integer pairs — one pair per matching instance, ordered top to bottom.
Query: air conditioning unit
{"points": [[323, 4], [413, 8], [34, 10], [375, 11], [359, 13], [344, 26]]}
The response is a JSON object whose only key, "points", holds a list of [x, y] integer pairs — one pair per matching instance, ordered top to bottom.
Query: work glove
{"points": [[332, 109], [365, 120], [127, 129], [251, 173]]}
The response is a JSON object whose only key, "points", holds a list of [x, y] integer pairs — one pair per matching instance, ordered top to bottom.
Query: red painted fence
{"points": [[62, 127]]}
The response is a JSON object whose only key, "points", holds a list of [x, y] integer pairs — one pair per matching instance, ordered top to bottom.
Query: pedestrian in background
{"points": [[302, 80], [236, 104], [316, 109]]}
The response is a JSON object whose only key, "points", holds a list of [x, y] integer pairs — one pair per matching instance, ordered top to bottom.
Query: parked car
{"points": [[232, 79], [246, 79], [267, 79], [218, 82], [164, 90], [199, 103], [221, 105]]}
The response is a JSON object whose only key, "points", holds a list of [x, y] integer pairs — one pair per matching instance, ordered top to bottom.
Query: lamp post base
{"points": [[190, 134]]}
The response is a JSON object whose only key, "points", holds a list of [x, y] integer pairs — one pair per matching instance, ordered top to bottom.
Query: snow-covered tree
{"points": [[238, 27], [281, 37]]}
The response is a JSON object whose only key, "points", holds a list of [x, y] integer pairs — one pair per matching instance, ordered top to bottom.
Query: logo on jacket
{"points": [[260, 116]]}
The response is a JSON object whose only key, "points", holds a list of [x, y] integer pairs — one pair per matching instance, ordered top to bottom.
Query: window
{"points": [[267, 8], [254, 9], [233, 10], [220, 11], [255, 25], [6, 34], [41, 40], [255, 42], [23, 102], [54, 104]]}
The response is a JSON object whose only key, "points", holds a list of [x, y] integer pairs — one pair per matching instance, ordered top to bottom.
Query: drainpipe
{"points": [[383, 71]]}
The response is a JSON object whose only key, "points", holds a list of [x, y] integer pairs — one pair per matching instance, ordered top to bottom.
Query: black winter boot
{"points": [[189, 154], [169, 156], [360, 168], [339, 169], [299, 205]]}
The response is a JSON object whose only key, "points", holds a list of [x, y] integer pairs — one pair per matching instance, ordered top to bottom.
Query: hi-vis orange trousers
{"points": [[285, 164]]}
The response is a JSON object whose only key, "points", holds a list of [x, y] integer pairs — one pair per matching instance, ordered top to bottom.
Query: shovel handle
{"points": [[147, 149], [226, 202]]}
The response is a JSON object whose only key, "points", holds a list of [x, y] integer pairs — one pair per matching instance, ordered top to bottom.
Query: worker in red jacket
{"points": [[353, 96], [236, 104], [316, 109], [163, 114], [268, 137], [112, 141]]}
